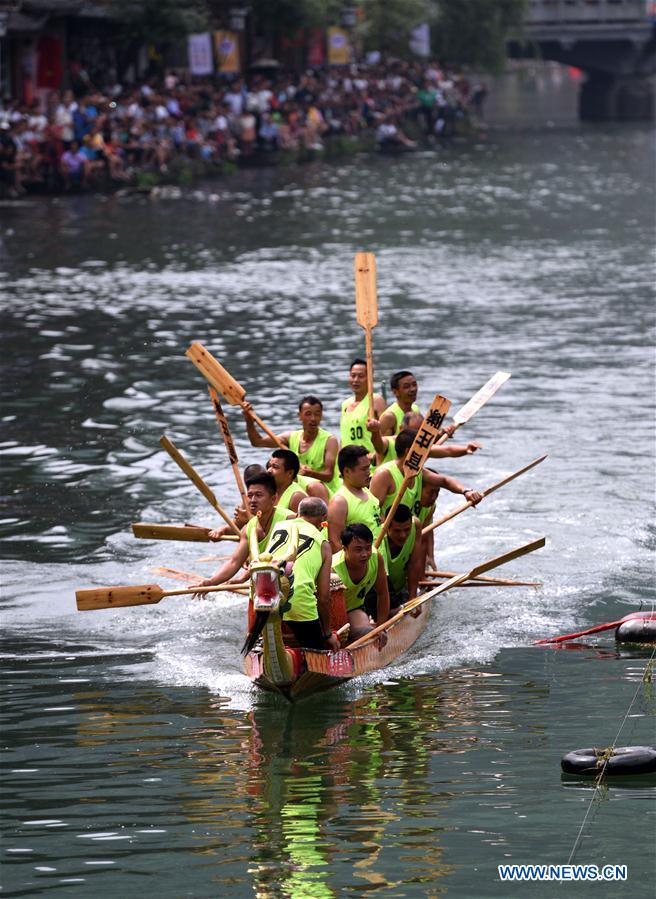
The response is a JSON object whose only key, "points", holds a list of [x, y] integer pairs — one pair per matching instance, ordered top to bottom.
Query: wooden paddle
{"points": [[366, 312], [222, 380], [478, 400], [229, 445], [417, 455], [511, 477], [196, 479], [187, 532], [481, 581], [499, 581], [453, 582], [141, 595], [600, 627]]}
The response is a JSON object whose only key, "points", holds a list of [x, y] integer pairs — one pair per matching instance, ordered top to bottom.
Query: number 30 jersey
{"points": [[353, 426]]}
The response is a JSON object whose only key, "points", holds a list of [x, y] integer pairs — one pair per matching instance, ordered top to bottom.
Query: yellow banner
{"points": [[339, 48], [227, 51]]}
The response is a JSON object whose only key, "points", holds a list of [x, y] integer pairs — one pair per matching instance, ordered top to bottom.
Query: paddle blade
{"points": [[366, 299], [215, 374], [481, 397], [185, 532], [508, 557], [114, 597]]}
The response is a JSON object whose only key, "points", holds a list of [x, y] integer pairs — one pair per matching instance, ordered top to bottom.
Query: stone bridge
{"points": [[613, 41]]}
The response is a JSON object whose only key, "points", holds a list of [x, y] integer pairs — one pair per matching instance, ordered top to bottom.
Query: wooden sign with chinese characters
{"points": [[426, 436], [417, 455]]}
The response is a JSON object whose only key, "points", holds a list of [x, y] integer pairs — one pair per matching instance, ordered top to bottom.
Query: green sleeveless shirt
{"points": [[398, 414], [353, 425], [314, 457], [412, 495], [286, 497], [362, 511], [426, 514], [278, 516], [398, 564], [354, 594], [301, 603]]}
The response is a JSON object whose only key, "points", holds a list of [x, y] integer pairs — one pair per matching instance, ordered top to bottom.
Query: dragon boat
{"points": [[275, 661]]}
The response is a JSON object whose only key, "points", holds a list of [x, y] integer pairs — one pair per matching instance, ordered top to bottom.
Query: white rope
{"points": [[603, 768]]}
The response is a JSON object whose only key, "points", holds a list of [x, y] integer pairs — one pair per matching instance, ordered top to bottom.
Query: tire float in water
{"points": [[637, 629], [622, 761]]}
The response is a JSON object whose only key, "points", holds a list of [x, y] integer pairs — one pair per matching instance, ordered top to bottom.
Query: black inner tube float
{"points": [[622, 760]]}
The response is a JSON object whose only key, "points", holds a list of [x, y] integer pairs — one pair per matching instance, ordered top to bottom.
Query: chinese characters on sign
{"points": [[426, 436]]}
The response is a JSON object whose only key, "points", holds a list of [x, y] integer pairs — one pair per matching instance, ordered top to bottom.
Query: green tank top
{"points": [[398, 414], [353, 425], [390, 451], [314, 457], [412, 495], [286, 497], [362, 511], [426, 514], [278, 516], [398, 564], [354, 594], [301, 603]]}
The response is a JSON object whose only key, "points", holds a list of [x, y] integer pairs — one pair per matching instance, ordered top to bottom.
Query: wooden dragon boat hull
{"points": [[323, 669]]}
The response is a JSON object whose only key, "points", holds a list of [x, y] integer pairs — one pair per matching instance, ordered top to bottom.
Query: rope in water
{"points": [[598, 784]]}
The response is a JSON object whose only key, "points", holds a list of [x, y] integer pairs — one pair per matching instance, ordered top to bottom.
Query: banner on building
{"points": [[419, 41], [226, 44], [339, 48], [316, 52], [199, 53]]}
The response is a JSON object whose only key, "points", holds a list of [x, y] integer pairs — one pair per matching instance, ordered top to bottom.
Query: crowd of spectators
{"points": [[110, 133]]}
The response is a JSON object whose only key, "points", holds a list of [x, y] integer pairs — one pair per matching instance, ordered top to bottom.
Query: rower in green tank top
{"points": [[405, 389], [356, 427], [315, 447], [283, 465], [387, 478], [261, 492], [353, 502], [405, 554], [362, 571], [307, 608]]}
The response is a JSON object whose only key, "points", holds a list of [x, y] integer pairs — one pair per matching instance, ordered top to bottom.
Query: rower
{"points": [[404, 387], [355, 426], [315, 447], [284, 466], [387, 478], [261, 491], [353, 503], [240, 516], [405, 556], [362, 570], [307, 608]]}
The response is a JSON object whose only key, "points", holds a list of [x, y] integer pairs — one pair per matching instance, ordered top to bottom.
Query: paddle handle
{"points": [[370, 369], [256, 418], [229, 445], [392, 510]]}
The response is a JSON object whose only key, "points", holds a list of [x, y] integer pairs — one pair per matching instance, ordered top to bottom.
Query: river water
{"points": [[136, 757]]}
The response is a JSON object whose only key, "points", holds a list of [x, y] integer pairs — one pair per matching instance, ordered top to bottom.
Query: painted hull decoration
{"points": [[321, 670]]}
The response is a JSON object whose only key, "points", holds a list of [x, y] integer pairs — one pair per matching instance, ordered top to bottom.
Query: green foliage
{"points": [[157, 22], [386, 24], [475, 32], [147, 179]]}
